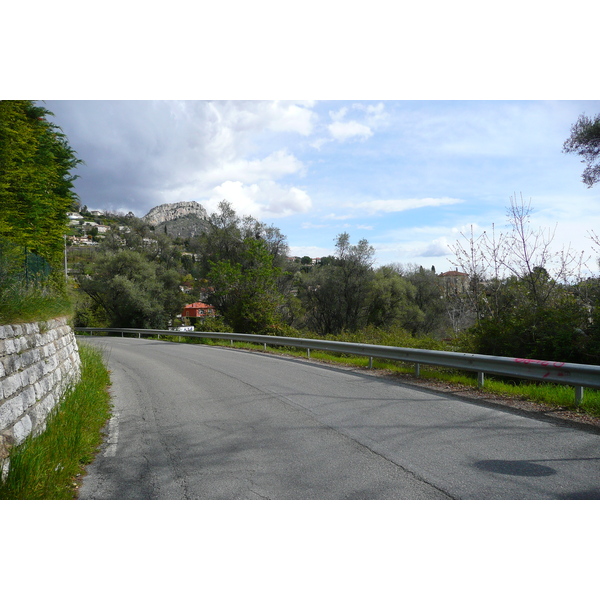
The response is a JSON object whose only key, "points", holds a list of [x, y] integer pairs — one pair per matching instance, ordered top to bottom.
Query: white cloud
{"points": [[338, 115], [292, 116], [361, 126], [344, 131], [141, 154], [274, 166], [261, 200], [392, 206], [437, 247]]}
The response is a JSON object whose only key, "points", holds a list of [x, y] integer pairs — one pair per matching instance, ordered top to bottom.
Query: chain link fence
{"points": [[21, 271]]}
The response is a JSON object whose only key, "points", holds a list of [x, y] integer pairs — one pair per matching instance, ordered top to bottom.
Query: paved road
{"points": [[199, 422]]}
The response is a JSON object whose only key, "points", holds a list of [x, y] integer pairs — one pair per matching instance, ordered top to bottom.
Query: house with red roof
{"points": [[198, 310]]}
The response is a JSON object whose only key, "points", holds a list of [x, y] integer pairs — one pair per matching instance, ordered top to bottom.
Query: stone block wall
{"points": [[38, 361]]}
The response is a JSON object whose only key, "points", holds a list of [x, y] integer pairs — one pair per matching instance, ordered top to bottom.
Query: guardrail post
{"points": [[139, 336], [265, 346], [308, 353], [370, 362], [417, 370], [480, 379], [578, 394]]}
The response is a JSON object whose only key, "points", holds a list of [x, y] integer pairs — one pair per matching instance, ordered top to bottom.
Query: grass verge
{"points": [[28, 307], [46, 467]]}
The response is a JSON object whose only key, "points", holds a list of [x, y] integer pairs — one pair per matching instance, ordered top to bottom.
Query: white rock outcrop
{"points": [[169, 212]]}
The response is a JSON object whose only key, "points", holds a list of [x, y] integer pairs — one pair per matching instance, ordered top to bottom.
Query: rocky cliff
{"points": [[170, 212]]}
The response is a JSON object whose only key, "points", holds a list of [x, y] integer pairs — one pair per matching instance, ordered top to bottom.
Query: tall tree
{"points": [[585, 141], [36, 183], [225, 236], [245, 291], [336, 294], [392, 301]]}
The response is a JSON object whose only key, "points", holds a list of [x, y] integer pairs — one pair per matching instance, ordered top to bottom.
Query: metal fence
{"points": [[21, 267], [576, 375]]}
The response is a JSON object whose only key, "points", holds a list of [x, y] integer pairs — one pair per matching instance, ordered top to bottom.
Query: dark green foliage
{"points": [[585, 141], [35, 179], [35, 195], [133, 289], [245, 292], [336, 294], [392, 301], [429, 301], [561, 329]]}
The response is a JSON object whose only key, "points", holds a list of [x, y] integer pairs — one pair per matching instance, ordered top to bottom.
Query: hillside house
{"points": [[89, 225], [453, 282], [198, 310]]}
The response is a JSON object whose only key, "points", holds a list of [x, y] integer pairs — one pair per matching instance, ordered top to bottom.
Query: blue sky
{"points": [[407, 175]]}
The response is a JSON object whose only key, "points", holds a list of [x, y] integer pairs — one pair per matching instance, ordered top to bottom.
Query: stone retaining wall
{"points": [[38, 361]]}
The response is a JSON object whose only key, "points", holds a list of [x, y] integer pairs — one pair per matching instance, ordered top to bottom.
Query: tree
{"points": [[585, 141], [36, 184], [225, 235], [132, 289], [245, 291], [336, 293], [524, 296], [428, 299], [392, 301]]}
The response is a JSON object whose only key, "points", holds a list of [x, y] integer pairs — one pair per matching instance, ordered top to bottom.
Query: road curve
{"points": [[203, 422]]}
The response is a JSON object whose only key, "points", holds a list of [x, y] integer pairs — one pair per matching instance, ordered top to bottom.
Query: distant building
{"points": [[89, 225], [454, 282], [198, 310]]}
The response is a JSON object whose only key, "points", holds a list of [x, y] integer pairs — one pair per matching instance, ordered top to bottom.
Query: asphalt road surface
{"points": [[202, 422]]}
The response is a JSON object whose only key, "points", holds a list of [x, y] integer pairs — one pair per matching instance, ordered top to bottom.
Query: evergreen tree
{"points": [[585, 141], [36, 184]]}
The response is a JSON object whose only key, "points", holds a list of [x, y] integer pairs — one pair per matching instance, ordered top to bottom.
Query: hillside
{"points": [[180, 219], [183, 227]]}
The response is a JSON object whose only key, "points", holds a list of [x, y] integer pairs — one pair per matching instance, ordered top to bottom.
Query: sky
{"points": [[410, 176]]}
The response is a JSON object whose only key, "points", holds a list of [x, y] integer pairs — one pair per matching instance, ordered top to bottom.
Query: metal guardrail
{"points": [[577, 375]]}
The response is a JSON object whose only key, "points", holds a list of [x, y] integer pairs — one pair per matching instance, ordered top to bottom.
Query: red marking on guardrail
{"points": [[544, 363]]}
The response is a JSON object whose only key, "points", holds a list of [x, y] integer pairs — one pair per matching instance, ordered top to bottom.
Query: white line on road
{"points": [[113, 435]]}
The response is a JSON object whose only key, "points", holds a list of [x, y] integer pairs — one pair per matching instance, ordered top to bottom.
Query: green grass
{"points": [[27, 307], [45, 467]]}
